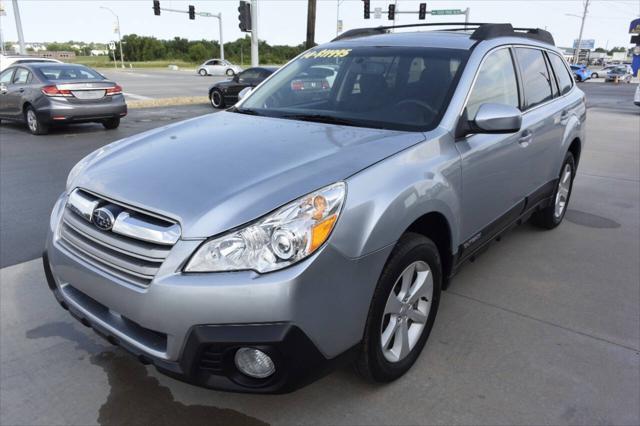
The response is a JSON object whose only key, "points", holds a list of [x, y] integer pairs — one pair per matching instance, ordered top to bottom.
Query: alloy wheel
{"points": [[216, 99], [32, 120], [562, 195], [406, 311]]}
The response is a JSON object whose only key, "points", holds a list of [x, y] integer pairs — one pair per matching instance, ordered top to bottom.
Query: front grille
{"points": [[128, 250]]}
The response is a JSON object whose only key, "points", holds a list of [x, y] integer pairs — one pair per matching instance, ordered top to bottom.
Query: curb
{"points": [[164, 102]]}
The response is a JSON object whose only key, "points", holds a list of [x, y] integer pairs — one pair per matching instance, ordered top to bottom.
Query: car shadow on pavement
{"points": [[71, 130], [135, 398]]}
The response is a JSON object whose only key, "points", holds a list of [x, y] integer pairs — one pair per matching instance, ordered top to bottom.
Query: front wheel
{"points": [[202, 72], [594, 75], [216, 98], [112, 123], [36, 126], [552, 215], [402, 311]]}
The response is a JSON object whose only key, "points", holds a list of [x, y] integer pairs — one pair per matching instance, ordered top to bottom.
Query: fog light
{"points": [[254, 363]]}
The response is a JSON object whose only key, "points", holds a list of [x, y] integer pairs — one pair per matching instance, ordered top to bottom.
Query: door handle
{"points": [[21, 90], [525, 138]]}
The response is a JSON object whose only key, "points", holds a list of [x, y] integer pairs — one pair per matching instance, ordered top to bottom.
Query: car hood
{"points": [[222, 170]]}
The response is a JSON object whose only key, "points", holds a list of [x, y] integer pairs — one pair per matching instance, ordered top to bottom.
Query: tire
{"points": [[203, 72], [230, 72], [594, 75], [216, 99], [112, 123], [35, 125], [552, 215], [385, 365]]}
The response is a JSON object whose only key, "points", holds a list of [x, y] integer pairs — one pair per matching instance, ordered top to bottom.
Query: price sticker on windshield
{"points": [[327, 53]]}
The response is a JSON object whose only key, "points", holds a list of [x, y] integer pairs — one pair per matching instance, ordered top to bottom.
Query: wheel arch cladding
{"points": [[575, 148], [434, 225]]}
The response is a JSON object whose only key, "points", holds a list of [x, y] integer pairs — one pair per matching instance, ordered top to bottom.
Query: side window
{"points": [[249, 75], [5, 76], [21, 76], [535, 76], [565, 81], [496, 83]]}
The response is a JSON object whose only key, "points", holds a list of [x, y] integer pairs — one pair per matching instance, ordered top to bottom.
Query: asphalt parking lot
{"points": [[142, 84], [544, 328]]}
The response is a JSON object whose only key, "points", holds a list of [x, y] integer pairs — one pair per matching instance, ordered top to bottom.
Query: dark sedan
{"points": [[225, 93], [42, 94]]}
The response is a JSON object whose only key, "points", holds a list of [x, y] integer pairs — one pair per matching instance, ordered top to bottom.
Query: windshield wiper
{"points": [[247, 111], [319, 118]]}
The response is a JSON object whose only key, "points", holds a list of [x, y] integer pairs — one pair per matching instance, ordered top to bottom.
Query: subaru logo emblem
{"points": [[103, 219]]}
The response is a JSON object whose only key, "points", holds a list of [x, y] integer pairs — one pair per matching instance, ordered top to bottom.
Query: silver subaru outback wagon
{"points": [[318, 220]]}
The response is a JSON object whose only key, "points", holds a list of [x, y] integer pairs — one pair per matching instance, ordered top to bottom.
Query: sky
{"points": [[284, 21]]}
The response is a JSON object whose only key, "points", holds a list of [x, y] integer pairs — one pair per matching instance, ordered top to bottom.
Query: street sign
{"points": [[2, 11], [447, 12], [377, 13], [206, 14], [339, 25], [585, 44], [112, 45]]}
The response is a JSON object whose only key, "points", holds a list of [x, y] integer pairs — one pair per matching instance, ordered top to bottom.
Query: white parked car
{"points": [[7, 60], [218, 67], [636, 98]]}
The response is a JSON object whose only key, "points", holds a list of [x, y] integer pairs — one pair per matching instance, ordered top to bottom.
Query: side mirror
{"points": [[236, 78], [3, 89], [244, 92], [497, 118]]}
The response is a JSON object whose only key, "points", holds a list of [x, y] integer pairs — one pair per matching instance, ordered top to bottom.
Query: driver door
{"points": [[494, 166]]}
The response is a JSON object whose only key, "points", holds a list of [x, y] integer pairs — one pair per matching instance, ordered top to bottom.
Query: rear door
{"points": [[5, 82], [19, 84], [541, 121], [494, 182]]}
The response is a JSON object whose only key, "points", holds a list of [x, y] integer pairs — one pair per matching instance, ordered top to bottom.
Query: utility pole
{"points": [[16, 14], [311, 23], [118, 31], [576, 52], [255, 60]]}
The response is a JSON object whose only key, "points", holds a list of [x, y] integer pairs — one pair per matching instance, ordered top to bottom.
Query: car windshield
{"points": [[65, 72], [382, 87]]}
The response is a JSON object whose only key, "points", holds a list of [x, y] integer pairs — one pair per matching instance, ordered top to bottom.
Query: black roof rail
{"points": [[482, 31]]}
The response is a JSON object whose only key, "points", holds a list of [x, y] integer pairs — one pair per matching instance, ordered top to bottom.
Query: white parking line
{"points": [[134, 96]]}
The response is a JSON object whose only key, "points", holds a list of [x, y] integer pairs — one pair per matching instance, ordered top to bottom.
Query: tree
{"points": [[198, 52]]}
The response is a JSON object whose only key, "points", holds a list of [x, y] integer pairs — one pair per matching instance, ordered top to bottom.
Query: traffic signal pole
{"points": [[16, 14], [218, 16], [255, 60]]}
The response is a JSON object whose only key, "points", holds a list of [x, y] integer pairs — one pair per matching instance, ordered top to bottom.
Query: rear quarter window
{"points": [[565, 81]]}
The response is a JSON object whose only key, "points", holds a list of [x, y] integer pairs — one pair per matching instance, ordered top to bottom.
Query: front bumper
{"points": [[61, 110], [310, 315], [208, 355]]}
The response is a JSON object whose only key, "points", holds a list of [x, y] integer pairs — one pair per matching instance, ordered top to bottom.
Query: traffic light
{"points": [[156, 7], [367, 9], [192, 12], [392, 12], [422, 13], [244, 16]]}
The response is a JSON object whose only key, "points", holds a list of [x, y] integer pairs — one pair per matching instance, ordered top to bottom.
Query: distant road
{"points": [[155, 84]]}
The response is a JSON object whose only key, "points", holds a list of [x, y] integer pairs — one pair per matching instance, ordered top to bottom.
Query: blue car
{"points": [[580, 72]]}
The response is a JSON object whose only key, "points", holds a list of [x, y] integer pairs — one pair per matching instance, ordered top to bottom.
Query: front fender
{"points": [[386, 198]]}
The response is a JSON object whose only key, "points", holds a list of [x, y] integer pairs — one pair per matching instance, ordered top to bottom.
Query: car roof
{"points": [[445, 39], [48, 64]]}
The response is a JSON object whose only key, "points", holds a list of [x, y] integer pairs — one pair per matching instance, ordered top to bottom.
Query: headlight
{"points": [[279, 239]]}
